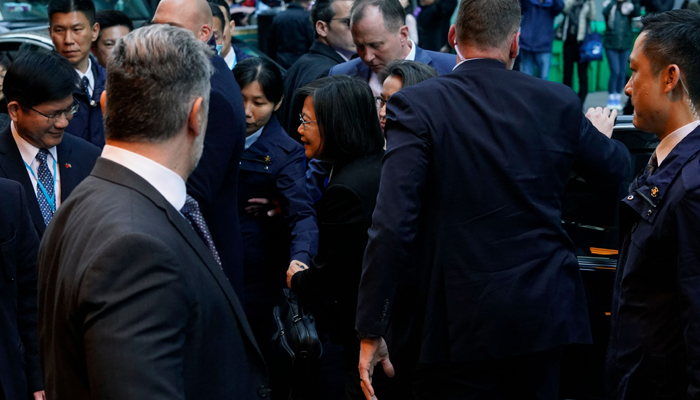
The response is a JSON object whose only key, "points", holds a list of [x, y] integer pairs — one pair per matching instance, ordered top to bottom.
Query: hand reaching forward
{"points": [[603, 119], [294, 267], [372, 352]]}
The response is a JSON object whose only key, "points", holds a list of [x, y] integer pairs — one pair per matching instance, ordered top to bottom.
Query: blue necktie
{"points": [[85, 83], [44, 176], [191, 211]]}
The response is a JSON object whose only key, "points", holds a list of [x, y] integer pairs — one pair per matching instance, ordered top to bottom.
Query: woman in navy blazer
{"points": [[271, 174]]}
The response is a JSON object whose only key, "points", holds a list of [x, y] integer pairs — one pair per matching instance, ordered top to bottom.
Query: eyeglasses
{"points": [[345, 21], [380, 101], [52, 118], [301, 119]]}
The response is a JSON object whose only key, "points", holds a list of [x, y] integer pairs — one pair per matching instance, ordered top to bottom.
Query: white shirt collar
{"points": [[412, 54], [343, 55], [230, 58], [463, 61], [89, 75], [374, 83], [250, 140], [669, 142], [26, 149], [165, 181]]}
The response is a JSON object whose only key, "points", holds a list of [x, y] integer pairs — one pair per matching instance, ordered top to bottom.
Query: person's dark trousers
{"points": [[571, 56], [533, 376]]}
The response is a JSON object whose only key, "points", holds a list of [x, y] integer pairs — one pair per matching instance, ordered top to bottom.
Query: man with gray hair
{"points": [[471, 243], [133, 301]]}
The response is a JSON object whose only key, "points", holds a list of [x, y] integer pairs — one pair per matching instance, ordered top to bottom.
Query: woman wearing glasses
{"points": [[397, 75], [339, 125], [271, 176]]}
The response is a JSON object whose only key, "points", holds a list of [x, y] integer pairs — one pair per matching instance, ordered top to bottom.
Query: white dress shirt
{"points": [[230, 58], [88, 74], [374, 78], [664, 148], [28, 153], [164, 180]]}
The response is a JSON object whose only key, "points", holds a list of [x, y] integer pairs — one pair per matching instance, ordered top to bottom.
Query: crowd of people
{"points": [[160, 188]]}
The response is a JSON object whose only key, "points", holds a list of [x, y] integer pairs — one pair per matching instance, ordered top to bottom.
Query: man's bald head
{"points": [[193, 15]]}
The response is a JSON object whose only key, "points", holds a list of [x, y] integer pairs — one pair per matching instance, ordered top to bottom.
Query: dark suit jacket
{"points": [[434, 24], [291, 35], [442, 62], [311, 66], [87, 123], [76, 158], [273, 168], [214, 183], [471, 205], [344, 215], [132, 305], [19, 348], [654, 348]]}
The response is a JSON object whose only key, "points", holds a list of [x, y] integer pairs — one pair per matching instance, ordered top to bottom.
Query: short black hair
{"points": [[223, 4], [87, 7], [322, 11], [216, 13], [393, 14], [111, 18], [487, 23], [673, 37], [265, 72], [411, 72], [36, 77], [346, 115]]}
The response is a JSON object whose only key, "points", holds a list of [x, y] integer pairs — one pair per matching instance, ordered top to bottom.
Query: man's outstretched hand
{"points": [[603, 119], [372, 352]]}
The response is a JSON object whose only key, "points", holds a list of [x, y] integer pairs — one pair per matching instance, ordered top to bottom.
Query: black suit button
{"points": [[263, 391]]}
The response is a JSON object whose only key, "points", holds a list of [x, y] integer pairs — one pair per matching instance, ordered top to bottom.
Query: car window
{"points": [[36, 10]]}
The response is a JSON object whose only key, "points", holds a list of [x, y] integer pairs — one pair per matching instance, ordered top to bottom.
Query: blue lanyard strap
{"points": [[50, 199]]}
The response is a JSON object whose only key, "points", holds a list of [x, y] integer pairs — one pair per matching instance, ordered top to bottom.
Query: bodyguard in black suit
{"points": [[333, 45], [38, 87], [214, 183], [469, 212], [133, 301], [20, 376]]}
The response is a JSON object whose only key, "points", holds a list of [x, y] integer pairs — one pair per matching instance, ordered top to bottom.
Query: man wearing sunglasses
{"points": [[34, 150]]}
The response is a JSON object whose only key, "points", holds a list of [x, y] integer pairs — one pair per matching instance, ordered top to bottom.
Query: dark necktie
{"points": [[85, 83], [652, 166], [46, 179], [191, 211]]}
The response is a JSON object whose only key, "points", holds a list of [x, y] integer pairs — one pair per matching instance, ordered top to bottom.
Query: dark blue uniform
{"points": [[87, 122], [273, 167], [655, 335]]}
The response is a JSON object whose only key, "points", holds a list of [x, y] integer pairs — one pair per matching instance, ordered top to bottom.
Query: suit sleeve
{"points": [[600, 160], [295, 199], [394, 222], [688, 231], [343, 237], [27, 294], [135, 307]]}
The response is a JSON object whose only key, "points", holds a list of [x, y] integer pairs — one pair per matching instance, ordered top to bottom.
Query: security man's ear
{"points": [[321, 28], [103, 101], [13, 110], [194, 120]]}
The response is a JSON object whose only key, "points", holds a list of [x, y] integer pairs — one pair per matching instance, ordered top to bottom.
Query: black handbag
{"points": [[298, 347]]}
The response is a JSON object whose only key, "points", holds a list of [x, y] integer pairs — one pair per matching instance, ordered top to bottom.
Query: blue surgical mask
{"points": [[218, 48]]}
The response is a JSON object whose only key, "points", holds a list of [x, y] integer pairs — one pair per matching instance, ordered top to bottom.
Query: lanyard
{"points": [[50, 199]]}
